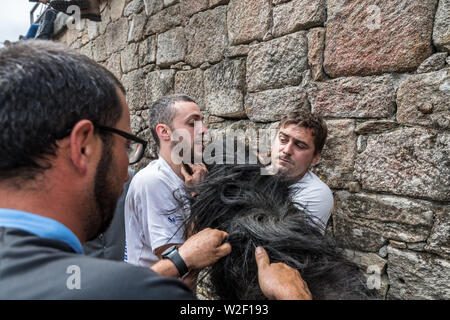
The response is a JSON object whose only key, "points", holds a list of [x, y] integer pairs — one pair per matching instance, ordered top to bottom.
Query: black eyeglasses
{"points": [[136, 145]]}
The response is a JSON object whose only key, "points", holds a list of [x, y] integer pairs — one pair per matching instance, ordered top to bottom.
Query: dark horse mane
{"points": [[256, 210]]}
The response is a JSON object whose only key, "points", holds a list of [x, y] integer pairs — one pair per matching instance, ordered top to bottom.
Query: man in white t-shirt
{"points": [[297, 146], [153, 216]]}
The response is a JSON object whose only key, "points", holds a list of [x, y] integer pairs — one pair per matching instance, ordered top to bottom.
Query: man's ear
{"points": [[164, 132], [83, 144], [316, 158]]}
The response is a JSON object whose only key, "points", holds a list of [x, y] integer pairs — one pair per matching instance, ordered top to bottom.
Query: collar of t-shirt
{"points": [[169, 170], [307, 176], [40, 226]]}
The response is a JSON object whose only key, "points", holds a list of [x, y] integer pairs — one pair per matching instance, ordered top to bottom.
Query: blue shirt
{"points": [[39, 226]]}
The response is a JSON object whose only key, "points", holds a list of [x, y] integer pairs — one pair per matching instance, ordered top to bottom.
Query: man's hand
{"points": [[199, 172], [204, 248], [279, 281]]}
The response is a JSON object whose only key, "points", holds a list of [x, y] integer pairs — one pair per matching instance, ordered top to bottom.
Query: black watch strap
{"points": [[173, 255]]}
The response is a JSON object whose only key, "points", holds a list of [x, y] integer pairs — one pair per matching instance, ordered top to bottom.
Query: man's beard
{"points": [[283, 171], [106, 195]]}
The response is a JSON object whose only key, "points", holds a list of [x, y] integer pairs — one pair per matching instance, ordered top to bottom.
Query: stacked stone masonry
{"points": [[378, 71]]}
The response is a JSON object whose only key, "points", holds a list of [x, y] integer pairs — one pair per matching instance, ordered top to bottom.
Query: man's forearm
{"points": [[200, 250], [165, 268]]}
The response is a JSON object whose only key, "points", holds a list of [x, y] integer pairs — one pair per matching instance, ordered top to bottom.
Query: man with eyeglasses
{"points": [[66, 146], [111, 243]]}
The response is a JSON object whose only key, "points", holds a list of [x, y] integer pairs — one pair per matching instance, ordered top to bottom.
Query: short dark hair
{"points": [[46, 88], [163, 112], [311, 121], [257, 210]]}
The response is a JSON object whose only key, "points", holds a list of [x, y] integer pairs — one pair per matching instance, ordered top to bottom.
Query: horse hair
{"points": [[256, 210]]}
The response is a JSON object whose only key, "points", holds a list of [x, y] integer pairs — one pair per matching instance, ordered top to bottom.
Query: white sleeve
{"points": [[318, 202], [163, 217], [133, 228]]}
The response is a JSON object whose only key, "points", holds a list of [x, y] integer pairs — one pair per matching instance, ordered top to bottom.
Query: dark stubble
{"points": [[106, 195]]}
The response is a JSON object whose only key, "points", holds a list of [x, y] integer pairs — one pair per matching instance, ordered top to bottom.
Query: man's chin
{"points": [[281, 170], [104, 225]]}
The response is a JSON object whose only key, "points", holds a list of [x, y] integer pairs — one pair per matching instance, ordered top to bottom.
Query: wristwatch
{"points": [[172, 254]]}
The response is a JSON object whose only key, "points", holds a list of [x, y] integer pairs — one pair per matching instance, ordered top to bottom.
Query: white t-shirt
{"points": [[314, 195], [153, 217]]}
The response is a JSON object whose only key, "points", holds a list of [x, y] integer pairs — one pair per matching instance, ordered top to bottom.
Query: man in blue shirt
{"points": [[89, 9], [43, 30], [66, 145]]}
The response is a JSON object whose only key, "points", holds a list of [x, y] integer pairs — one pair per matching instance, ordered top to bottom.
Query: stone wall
{"points": [[377, 71]]}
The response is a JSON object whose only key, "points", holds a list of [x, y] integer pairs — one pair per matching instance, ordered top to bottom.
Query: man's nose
{"points": [[200, 128], [204, 128], [287, 149]]}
